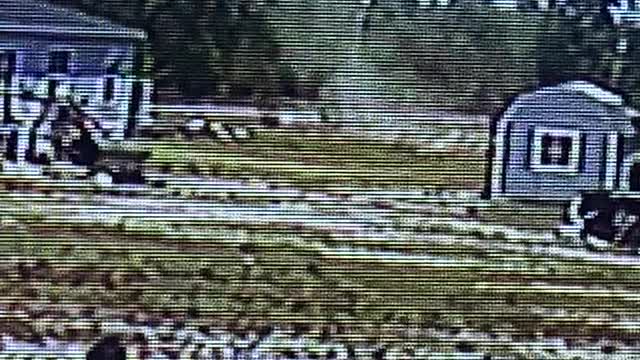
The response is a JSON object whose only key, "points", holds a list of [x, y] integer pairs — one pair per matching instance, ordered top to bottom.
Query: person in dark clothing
{"points": [[86, 149], [108, 349], [379, 353]]}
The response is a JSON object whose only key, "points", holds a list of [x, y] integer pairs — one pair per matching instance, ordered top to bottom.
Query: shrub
{"points": [[193, 168], [121, 226], [440, 228], [478, 234], [500, 235], [207, 273], [465, 347]]}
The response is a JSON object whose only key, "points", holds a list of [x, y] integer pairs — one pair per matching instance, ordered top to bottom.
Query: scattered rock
{"points": [[194, 125], [240, 133], [102, 179], [595, 244]]}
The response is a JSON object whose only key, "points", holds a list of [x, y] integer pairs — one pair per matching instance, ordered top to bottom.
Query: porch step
{"points": [[571, 231], [595, 244]]}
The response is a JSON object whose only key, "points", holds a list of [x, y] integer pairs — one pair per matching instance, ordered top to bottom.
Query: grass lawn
{"points": [[318, 159], [194, 267], [295, 277]]}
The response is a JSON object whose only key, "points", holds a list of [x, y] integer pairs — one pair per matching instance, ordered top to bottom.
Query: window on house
{"points": [[632, 5], [8, 62], [59, 62], [555, 150]]}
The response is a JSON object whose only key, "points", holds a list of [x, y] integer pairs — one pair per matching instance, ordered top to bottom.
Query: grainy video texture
{"points": [[320, 179]]}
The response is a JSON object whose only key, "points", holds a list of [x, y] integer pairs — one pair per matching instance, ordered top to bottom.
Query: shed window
{"points": [[59, 62], [555, 150]]}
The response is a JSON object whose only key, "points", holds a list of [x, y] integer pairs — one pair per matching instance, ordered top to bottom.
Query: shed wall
{"points": [[596, 122]]}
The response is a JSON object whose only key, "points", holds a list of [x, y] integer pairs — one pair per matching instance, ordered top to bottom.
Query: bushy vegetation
{"points": [[465, 57]]}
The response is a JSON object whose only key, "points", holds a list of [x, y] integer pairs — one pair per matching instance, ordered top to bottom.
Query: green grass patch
{"points": [[321, 159]]}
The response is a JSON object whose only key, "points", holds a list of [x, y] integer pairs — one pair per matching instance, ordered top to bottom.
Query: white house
{"points": [[626, 13], [53, 58]]}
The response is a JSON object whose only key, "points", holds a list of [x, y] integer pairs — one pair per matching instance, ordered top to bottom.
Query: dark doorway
{"points": [[8, 65], [51, 90], [136, 99], [12, 146], [619, 159], [603, 162], [634, 178]]}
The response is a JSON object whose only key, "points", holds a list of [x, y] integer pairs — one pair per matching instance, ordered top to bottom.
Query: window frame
{"points": [[574, 153]]}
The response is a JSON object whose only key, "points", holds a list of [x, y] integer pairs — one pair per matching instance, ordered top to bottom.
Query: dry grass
{"points": [[144, 266]]}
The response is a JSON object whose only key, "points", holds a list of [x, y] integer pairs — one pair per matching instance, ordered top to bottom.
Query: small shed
{"points": [[558, 142]]}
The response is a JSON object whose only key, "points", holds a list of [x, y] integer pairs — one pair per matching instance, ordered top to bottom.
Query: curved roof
{"points": [[41, 17], [594, 92], [569, 94]]}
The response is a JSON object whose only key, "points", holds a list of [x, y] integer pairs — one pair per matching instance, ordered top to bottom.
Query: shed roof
{"points": [[41, 17], [594, 92], [596, 96]]}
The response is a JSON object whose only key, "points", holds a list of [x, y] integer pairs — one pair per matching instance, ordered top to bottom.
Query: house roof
{"points": [[41, 17]]}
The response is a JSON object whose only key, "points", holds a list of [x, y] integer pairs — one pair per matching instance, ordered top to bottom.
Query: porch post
{"points": [[23, 143], [611, 155], [498, 158], [625, 173]]}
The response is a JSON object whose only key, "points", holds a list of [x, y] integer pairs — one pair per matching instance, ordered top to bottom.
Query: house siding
{"points": [[90, 57], [86, 74], [594, 121]]}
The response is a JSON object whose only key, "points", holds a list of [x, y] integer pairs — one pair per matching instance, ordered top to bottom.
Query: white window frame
{"points": [[536, 158]]}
